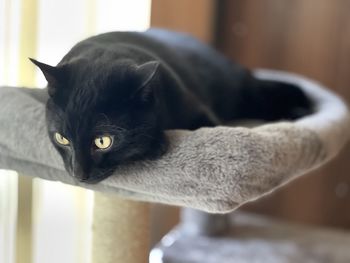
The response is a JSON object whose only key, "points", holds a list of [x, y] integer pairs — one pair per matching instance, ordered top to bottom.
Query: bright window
{"points": [[61, 213]]}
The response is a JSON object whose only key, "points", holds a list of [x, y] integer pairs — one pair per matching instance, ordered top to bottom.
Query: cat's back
{"points": [[159, 42], [169, 46], [179, 51], [201, 69]]}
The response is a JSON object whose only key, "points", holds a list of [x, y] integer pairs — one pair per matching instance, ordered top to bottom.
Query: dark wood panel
{"points": [[195, 17], [311, 38]]}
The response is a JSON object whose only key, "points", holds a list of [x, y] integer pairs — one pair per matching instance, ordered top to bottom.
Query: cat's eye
{"points": [[60, 139], [103, 142]]}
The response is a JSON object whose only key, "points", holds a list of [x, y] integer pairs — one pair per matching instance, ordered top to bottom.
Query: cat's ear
{"points": [[147, 72], [54, 75]]}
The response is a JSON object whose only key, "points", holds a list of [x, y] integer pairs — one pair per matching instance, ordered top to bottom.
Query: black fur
{"points": [[134, 86]]}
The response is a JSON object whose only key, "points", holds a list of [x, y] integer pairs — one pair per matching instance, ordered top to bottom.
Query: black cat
{"points": [[113, 95]]}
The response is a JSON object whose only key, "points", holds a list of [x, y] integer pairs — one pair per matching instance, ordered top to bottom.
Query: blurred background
{"points": [[300, 36], [303, 36]]}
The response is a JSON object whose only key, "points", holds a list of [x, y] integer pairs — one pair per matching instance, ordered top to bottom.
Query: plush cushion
{"points": [[211, 169]]}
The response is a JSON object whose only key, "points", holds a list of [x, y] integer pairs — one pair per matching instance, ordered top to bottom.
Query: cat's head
{"points": [[99, 117]]}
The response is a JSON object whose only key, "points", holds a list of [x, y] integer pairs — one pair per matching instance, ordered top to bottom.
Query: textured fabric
{"points": [[211, 169], [255, 238]]}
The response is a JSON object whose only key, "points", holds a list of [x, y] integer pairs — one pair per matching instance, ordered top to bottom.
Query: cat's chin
{"points": [[95, 179]]}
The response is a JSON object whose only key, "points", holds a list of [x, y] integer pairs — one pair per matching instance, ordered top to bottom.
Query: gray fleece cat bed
{"points": [[211, 169]]}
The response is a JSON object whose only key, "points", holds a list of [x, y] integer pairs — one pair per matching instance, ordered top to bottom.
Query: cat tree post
{"points": [[120, 230]]}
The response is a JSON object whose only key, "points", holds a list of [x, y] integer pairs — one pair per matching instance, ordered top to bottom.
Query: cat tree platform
{"points": [[211, 169]]}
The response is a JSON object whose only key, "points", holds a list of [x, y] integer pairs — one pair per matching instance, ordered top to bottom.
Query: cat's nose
{"points": [[80, 173]]}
